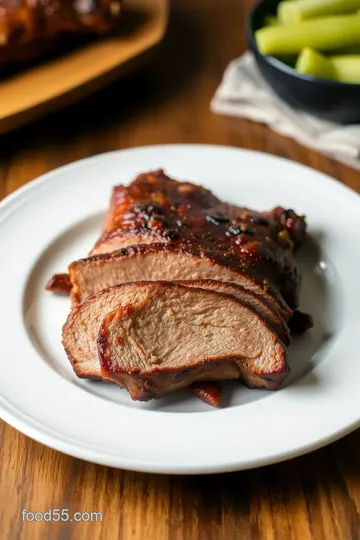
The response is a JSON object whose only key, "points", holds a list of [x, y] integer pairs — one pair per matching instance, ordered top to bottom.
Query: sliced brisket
{"points": [[156, 209], [170, 263], [182, 290], [261, 306], [180, 335], [155, 337]]}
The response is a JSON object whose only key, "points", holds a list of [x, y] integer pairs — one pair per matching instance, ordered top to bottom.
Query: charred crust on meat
{"points": [[159, 209], [217, 220], [258, 220], [242, 229], [300, 322]]}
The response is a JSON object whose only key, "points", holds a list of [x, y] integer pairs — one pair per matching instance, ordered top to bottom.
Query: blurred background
{"points": [[163, 100]]}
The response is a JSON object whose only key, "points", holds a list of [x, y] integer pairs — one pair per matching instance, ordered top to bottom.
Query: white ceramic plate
{"points": [[55, 220]]}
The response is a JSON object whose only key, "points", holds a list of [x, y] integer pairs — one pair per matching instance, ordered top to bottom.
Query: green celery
{"points": [[301, 10], [271, 20], [327, 34], [316, 64], [340, 68], [347, 68]]}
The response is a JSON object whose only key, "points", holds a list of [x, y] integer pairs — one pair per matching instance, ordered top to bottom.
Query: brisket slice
{"points": [[155, 209], [166, 262], [261, 306], [81, 328], [178, 335], [155, 337]]}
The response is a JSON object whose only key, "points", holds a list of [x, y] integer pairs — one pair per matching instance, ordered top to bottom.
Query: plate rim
{"points": [[336, 184], [91, 456]]}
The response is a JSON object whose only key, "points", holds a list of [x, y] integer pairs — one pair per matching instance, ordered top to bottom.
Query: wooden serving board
{"points": [[56, 83]]}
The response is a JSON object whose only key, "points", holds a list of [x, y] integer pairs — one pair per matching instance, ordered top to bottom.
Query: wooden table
{"points": [[314, 497]]}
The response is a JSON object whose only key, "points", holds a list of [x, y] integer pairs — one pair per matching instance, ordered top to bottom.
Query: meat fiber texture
{"points": [[158, 229], [155, 337]]}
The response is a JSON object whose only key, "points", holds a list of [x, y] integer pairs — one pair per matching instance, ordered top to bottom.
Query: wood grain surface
{"points": [[314, 497]]}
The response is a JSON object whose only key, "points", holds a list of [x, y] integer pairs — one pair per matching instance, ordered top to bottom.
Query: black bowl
{"points": [[337, 102]]}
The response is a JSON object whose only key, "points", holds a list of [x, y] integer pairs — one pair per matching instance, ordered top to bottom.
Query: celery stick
{"points": [[301, 10], [271, 20], [327, 34], [313, 63], [341, 68], [347, 68]]}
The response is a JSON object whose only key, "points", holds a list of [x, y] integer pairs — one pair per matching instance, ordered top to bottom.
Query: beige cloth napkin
{"points": [[244, 93]]}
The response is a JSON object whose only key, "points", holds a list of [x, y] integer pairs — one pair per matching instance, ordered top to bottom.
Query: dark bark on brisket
{"points": [[158, 209]]}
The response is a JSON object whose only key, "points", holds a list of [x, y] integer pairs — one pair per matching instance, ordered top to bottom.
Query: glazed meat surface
{"points": [[28, 27], [156, 209], [158, 214], [153, 338]]}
